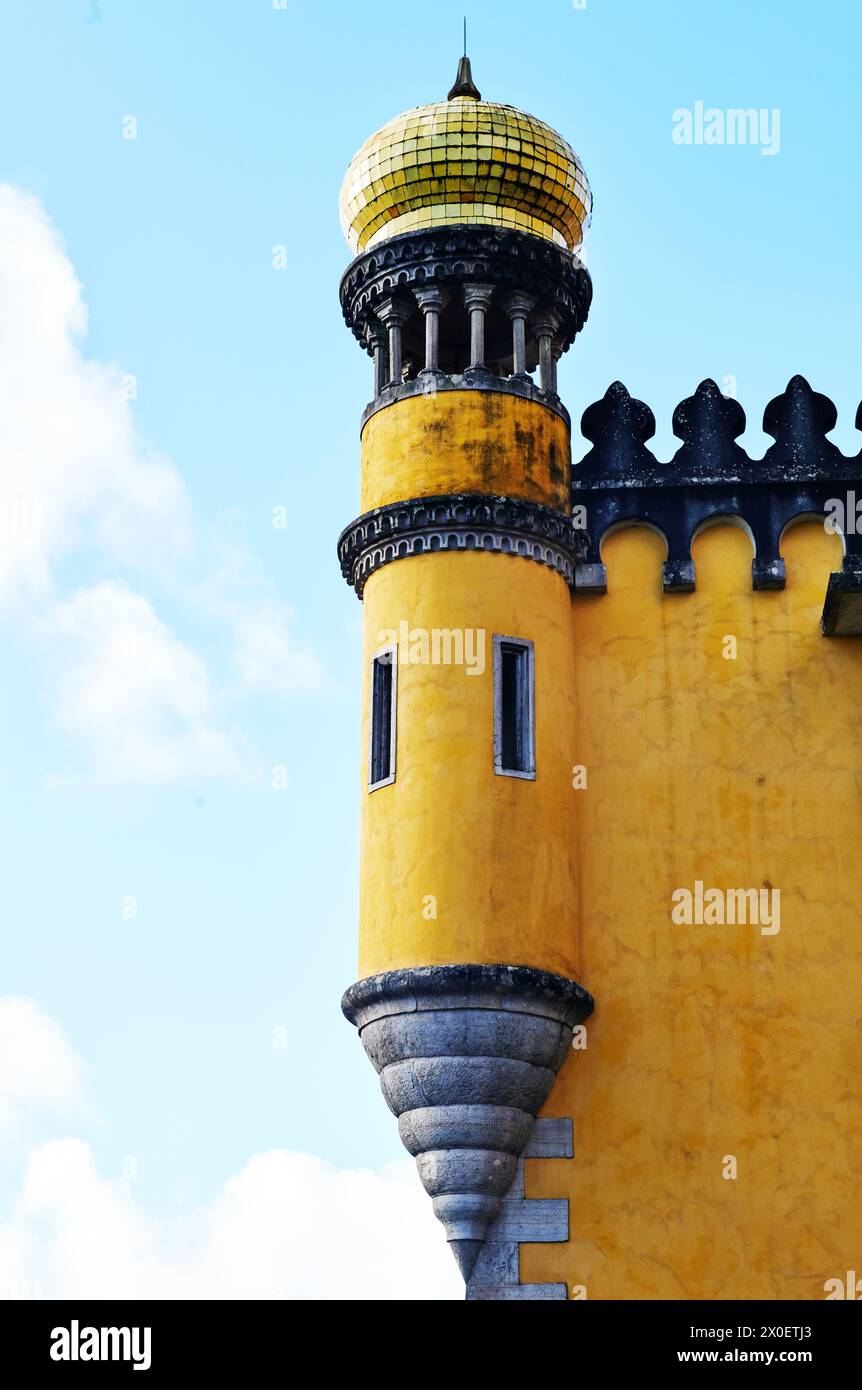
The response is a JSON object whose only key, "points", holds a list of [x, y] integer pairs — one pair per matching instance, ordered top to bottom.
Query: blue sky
{"points": [[707, 261]]}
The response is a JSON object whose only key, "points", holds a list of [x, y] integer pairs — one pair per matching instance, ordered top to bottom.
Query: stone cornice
{"points": [[450, 256], [473, 379], [459, 521]]}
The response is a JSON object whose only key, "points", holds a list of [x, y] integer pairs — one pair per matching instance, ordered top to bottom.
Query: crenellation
{"points": [[711, 476]]}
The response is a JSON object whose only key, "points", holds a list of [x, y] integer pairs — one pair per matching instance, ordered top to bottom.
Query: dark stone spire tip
{"points": [[464, 84]]}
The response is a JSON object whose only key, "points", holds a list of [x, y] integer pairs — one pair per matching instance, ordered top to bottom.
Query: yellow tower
{"points": [[466, 217]]}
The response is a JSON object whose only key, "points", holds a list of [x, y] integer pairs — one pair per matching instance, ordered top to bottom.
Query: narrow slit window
{"points": [[514, 708], [381, 757]]}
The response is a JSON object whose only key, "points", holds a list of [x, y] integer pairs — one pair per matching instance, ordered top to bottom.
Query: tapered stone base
{"points": [[467, 1055]]}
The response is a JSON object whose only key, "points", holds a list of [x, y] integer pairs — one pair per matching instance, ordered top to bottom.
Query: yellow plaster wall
{"points": [[465, 441], [496, 853], [714, 1041]]}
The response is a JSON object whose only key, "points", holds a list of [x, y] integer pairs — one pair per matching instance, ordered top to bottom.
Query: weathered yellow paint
{"points": [[465, 441], [496, 854], [707, 1041], [713, 1041]]}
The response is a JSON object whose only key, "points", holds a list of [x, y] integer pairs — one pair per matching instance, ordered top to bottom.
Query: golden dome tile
{"points": [[465, 161]]}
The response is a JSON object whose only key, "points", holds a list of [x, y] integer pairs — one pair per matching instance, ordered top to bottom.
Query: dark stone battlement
{"points": [[621, 481]]}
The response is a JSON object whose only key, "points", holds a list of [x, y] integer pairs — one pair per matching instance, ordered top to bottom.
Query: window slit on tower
{"points": [[514, 708], [381, 756]]}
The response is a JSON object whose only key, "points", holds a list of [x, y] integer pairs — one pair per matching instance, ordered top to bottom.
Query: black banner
{"points": [[154, 1339]]}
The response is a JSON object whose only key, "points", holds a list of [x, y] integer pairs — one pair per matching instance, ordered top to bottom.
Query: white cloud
{"points": [[72, 470], [75, 477], [266, 654], [138, 699], [39, 1071], [289, 1225]]}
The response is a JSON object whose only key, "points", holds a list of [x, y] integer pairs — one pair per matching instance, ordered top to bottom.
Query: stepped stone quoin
{"points": [[710, 475], [467, 1055], [496, 1274]]}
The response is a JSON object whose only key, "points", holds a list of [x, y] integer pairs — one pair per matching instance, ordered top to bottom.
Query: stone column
{"points": [[432, 300], [477, 301], [518, 306], [393, 314], [546, 325], [376, 335], [556, 353]]}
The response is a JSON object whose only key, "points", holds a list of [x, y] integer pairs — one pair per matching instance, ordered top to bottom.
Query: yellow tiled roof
{"points": [[464, 160]]}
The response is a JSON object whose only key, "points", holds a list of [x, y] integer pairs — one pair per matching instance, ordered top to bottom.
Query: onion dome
{"points": [[465, 161]]}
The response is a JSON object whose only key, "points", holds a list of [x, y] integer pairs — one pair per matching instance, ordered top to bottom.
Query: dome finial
{"points": [[464, 84]]}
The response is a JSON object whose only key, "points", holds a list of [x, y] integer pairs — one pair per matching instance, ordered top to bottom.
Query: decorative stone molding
{"points": [[503, 258], [473, 379], [711, 476], [459, 521], [467, 1055]]}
